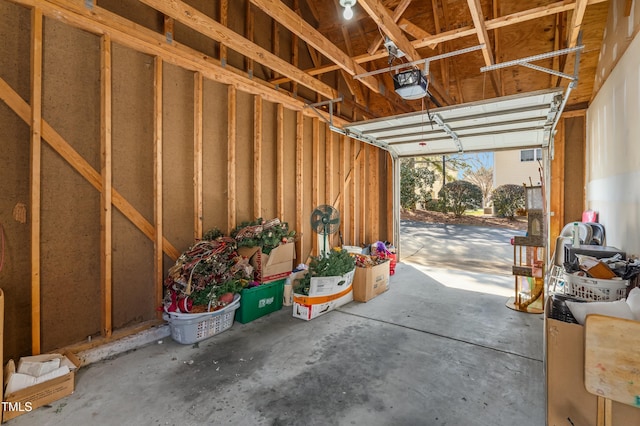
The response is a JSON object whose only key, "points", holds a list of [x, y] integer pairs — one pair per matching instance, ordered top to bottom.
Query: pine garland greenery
{"points": [[212, 234], [265, 235], [336, 263], [211, 293]]}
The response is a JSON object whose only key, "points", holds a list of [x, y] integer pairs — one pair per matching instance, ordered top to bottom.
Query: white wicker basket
{"points": [[594, 290], [192, 328]]}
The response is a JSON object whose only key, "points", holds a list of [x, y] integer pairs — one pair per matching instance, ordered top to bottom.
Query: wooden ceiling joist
{"points": [[397, 14], [380, 15], [224, 16], [390, 16], [385, 22], [576, 22], [298, 26], [209, 27], [415, 31], [466, 31], [483, 37]]}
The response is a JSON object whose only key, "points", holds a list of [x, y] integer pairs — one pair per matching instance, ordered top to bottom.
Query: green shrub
{"points": [[415, 184], [460, 195], [507, 199], [434, 205]]}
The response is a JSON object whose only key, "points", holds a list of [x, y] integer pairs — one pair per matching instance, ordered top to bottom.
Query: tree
{"points": [[483, 178], [415, 183], [461, 195], [507, 199]]}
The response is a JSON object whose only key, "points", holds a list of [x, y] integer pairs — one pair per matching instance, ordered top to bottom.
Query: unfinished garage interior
{"points": [[129, 128]]}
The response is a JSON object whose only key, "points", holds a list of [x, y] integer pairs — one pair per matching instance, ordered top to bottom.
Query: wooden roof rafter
{"points": [[313, 9], [397, 14], [385, 22], [576, 22], [388, 25], [207, 26], [298, 26], [415, 31], [466, 31], [573, 31], [483, 37], [444, 63], [353, 85], [355, 88]]}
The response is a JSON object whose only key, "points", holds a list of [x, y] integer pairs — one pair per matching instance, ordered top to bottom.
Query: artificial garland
{"points": [[264, 234], [365, 261], [336, 263], [203, 274]]}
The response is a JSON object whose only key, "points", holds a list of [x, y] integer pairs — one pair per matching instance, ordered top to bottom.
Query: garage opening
{"points": [[507, 123]]}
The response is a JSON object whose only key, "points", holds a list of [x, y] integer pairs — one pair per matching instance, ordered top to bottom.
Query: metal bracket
{"points": [[420, 61], [525, 61], [329, 102], [550, 127], [449, 131]]}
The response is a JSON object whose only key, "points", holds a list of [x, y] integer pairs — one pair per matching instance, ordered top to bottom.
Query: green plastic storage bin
{"points": [[259, 301]]}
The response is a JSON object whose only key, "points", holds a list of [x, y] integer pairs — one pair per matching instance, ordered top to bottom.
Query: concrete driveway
{"points": [[463, 247]]}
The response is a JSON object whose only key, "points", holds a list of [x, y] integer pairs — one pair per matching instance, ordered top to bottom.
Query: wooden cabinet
{"points": [[568, 401]]}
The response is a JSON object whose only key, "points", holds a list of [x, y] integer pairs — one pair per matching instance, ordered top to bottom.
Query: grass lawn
{"points": [[478, 212]]}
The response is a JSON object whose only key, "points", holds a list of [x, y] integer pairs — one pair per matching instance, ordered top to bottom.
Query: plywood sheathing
{"points": [[135, 11], [15, 25], [589, 57], [178, 156], [244, 158], [214, 161], [133, 163], [574, 168], [269, 169], [289, 186], [70, 220], [309, 242]]}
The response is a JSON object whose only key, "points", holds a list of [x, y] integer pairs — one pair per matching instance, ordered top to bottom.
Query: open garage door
{"points": [[511, 122], [506, 123]]}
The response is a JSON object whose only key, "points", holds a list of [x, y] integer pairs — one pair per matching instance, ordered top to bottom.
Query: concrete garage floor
{"points": [[439, 348]]}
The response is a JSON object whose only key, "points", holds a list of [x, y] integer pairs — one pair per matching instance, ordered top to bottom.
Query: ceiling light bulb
{"points": [[348, 13]]}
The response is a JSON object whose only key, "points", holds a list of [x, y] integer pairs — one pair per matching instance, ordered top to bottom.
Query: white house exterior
{"points": [[517, 167]]}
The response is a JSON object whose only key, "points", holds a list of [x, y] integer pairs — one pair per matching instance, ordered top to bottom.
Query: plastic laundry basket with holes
{"points": [[594, 290], [192, 328]]}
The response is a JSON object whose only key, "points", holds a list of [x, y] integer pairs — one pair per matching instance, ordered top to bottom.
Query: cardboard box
{"points": [[273, 266], [370, 282], [325, 295], [567, 397], [28, 399]]}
